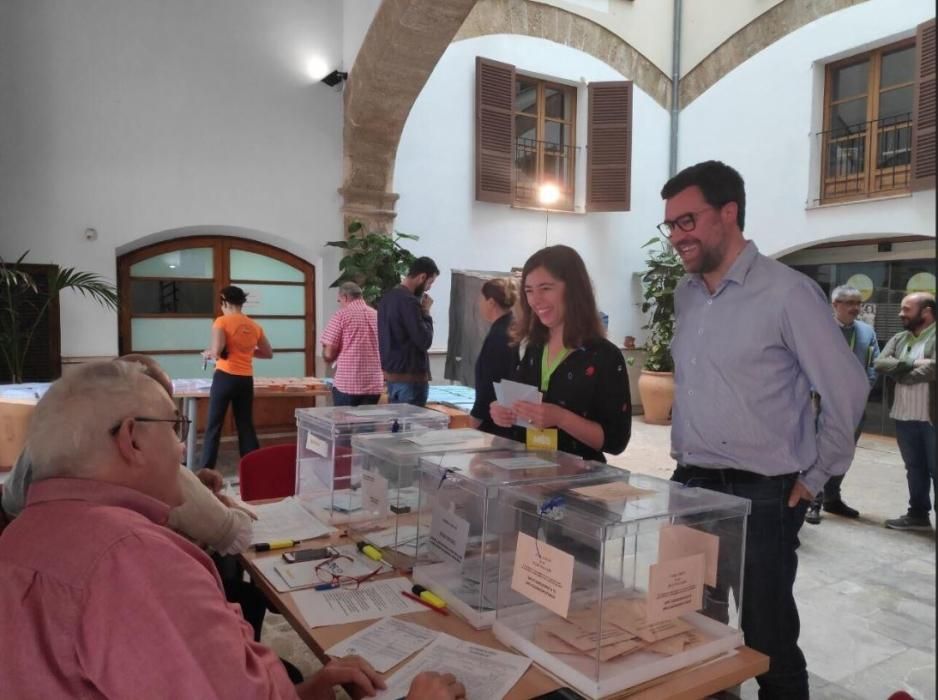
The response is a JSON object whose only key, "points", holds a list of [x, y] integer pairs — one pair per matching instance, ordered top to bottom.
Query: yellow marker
{"points": [[275, 544], [369, 551], [429, 597]]}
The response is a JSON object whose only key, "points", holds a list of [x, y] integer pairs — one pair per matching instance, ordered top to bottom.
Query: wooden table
{"points": [[295, 388], [687, 684]]}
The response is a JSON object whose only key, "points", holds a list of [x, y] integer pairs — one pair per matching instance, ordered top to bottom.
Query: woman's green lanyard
{"points": [[911, 341], [547, 368]]}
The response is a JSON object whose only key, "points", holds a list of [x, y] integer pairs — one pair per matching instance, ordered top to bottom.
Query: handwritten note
{"points": [[543, 574], [675, 587]]}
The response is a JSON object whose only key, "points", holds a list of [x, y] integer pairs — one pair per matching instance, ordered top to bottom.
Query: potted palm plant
{"points": [[373, 260], [660, 279], [24, 303]]}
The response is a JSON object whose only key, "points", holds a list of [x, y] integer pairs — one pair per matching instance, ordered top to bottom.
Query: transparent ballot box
{"points": [[324, 466], [388, 498], [461, 521], [624, 578]]}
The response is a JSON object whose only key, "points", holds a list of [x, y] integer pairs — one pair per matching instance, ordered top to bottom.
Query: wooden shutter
{"points": [[923, 111], [495, 131], [609, 147]]}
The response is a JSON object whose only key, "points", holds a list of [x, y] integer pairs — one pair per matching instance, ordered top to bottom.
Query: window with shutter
{"points": [[494, 131], [526, 139], [923, 140], [609, 147]]}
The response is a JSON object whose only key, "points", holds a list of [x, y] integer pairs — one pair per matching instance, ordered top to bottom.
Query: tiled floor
{"points": [[866, 594]]}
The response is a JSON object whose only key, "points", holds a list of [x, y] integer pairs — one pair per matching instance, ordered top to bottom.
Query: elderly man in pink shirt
{"points": [[97, 598]]}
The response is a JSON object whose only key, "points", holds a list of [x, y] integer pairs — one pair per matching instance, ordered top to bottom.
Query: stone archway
{"points": [[773, 24], [401, 49]]}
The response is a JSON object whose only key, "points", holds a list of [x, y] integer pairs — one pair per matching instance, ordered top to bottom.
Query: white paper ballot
{"points": [[508, 392], [370, 413], [446, 437], [521, 463], [286, 520], [449, 535], [402, 539], [370, 601], [386, 643], [487, 674]]}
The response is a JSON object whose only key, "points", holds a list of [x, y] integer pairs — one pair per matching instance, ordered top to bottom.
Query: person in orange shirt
{"points": [[236, 341]]}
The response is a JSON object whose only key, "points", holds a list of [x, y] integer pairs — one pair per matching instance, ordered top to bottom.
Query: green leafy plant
{"points": [[374, 261], [658, 284], [23, 304]]}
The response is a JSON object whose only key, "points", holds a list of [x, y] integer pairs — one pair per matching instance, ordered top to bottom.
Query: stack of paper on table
{"points": [[286, 520], [370, 601], [625, 629], [386, 643], [487, 674]]}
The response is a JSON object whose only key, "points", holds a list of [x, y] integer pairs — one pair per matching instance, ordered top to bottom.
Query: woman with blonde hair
{"points": [[497, 356], [585, 408]]}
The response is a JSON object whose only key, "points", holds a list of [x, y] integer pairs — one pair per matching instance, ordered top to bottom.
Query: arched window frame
{"points": [[221, 255]]}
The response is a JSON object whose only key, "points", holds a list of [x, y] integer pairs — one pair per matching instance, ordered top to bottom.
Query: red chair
{"points": [[269, 472]]}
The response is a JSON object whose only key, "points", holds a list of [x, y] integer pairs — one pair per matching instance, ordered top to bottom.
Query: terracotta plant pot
{"points": [[657, 392]]}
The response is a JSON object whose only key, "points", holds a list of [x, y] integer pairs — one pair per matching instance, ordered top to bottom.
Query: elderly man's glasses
{"points": [[686, 222], [180, 425], [331, 573]]}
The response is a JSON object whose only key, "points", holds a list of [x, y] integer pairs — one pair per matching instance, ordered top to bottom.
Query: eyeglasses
{"points": [[685, 222], [180, 425], [330, 572]]}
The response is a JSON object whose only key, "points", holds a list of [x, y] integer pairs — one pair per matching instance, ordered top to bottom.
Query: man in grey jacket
{"points": [[861, 339], [909, 358]]}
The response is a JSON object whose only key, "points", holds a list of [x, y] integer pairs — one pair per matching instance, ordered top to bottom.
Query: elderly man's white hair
{"points": [[845, 291], [68, 432]]}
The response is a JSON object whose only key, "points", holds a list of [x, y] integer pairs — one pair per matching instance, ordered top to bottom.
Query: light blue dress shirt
{"points": [[745, 360]]}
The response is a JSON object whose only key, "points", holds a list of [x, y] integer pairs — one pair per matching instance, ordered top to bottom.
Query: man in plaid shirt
{"points": [[351, 342]]}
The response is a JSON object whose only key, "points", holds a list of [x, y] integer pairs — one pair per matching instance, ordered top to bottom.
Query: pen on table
{"points": [[275, 544], [370, 551], [325, 586], [429, 596], [424, 603]]}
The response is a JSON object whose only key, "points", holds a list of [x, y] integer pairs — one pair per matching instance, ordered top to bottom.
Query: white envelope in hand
{"points": [[508, 392]]}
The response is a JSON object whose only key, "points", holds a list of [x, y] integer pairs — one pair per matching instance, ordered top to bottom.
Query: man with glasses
{"points": [[752, 337], [861, 339], [205, 515], [101, 599]]}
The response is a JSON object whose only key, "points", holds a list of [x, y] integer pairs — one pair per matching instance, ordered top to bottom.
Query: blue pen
{"points": [[325, 586]]}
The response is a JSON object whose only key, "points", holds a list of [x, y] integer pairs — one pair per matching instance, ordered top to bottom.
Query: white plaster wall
{"points": [[356, 19], [762, 118], [147, 119], [434, 175]]}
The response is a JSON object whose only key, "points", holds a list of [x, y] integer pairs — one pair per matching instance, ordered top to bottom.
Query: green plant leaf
{"points": [[355, 227], [338, 244]]}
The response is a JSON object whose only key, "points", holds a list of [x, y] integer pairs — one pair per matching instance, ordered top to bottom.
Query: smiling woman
{"points": [[585, 408]]}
